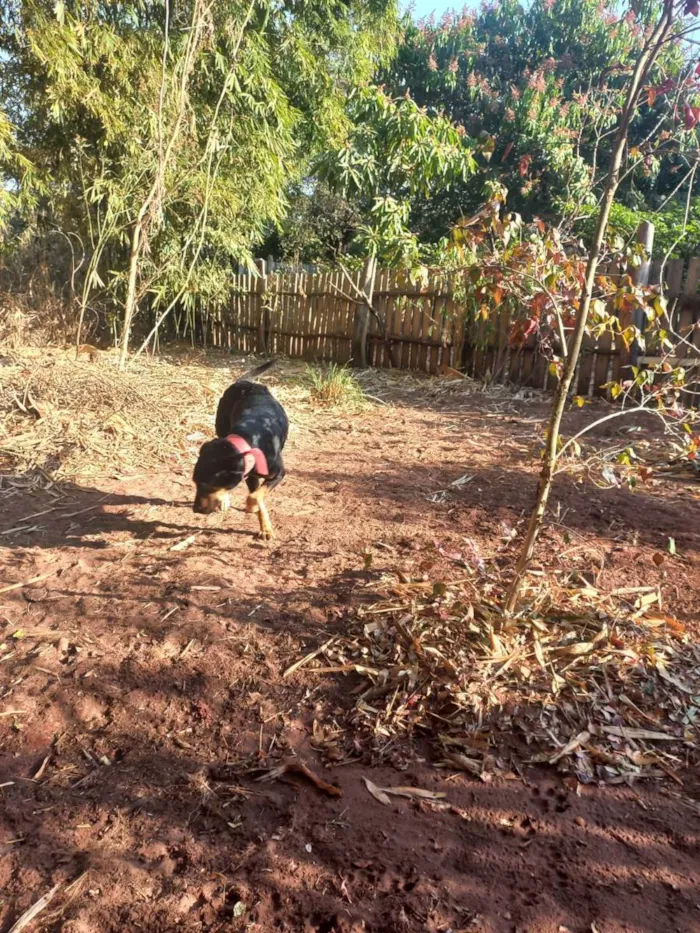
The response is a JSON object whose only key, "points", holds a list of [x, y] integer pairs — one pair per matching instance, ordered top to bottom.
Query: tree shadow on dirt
{"points": [[504, 493], [507, 494], [83, 513], [140, 673], [121, 778]]}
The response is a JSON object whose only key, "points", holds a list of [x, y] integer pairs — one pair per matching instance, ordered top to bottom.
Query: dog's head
{"points": [[218, 470]]}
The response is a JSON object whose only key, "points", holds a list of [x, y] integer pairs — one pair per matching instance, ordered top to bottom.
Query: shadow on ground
{"points": [[140, 671], [115, 776]]}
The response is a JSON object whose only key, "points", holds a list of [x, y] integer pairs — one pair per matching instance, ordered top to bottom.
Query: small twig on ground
{"points": [[89, 508], [29, 582], [309, 657], [294, 766], [35, 910]]}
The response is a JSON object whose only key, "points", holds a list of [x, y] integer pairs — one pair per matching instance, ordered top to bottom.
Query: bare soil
{"points": [[142, 688]]}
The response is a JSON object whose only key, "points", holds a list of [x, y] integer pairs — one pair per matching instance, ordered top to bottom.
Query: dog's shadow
{"points": [[38, 515]]}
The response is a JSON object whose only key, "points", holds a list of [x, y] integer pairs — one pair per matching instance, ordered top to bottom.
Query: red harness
{"points": [[253, 457]]}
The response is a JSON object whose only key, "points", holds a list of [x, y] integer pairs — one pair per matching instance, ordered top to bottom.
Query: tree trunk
{"points": [[644, 63], [130, 305], [363, 312]]}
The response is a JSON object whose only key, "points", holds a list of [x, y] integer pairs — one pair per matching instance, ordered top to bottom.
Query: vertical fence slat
{"points": [[691, 281], [341, 308], [260, 310], [384, 312], [396, 315], [335, 316], [323, 319], [457, 324], [437, 325], [422, 328], [415, 331]]}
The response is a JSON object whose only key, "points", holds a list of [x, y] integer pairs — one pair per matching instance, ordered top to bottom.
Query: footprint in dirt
{"points": [[551, 799]]}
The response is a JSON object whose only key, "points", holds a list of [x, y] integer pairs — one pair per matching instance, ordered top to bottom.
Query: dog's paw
{"points": [[220, 502], [266, 535]]}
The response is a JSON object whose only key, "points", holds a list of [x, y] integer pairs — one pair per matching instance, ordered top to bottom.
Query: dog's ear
{"points": [[217, 450], [226, 455], [219, 463]]}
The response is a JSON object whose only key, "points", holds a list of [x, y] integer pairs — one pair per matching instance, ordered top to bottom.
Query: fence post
{"points": [[640, 276], [263, 316], [359, 339]]}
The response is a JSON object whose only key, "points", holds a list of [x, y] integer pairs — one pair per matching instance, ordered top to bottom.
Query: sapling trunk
{"points": [[645, 62], [130, 304]]}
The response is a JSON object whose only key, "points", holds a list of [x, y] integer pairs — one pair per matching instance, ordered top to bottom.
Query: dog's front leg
{"points": [[255, 504]]}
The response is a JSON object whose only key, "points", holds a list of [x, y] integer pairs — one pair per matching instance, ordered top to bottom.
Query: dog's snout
{"points": [[217, 501], [201, 503]]}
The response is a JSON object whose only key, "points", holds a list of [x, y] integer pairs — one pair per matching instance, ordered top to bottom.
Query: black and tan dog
{"points": [[251, 428]]}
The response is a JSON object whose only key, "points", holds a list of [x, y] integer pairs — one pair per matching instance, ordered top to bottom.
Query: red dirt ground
{"points": [[142, 670]]}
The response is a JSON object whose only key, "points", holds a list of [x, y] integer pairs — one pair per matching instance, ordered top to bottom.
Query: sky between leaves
{"points": [[423, 8]]}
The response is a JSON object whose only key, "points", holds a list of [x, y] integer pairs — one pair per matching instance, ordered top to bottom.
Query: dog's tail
{"points": [[257, 371]]}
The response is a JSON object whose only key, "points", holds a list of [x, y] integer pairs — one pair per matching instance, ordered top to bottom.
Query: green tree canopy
{"points": [[541, 81], [534, 93], [201, 111], [396, 159]]}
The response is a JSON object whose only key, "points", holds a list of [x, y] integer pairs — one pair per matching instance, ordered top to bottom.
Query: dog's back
{"points": [[250, 407]]}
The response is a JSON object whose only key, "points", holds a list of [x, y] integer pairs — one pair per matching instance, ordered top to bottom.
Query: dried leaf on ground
{"points": [[185, 543], [625, 732], [571, 746], [457, 760], [377, 792], [414, 792], [382, 794], [29, 915]]}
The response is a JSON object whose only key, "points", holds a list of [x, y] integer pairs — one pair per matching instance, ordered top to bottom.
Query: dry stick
{"points": [[644, 63], [684, 228], [616, 414], [89, 508], [18, 586], [308, 657], [294, 766], [35, 910]]}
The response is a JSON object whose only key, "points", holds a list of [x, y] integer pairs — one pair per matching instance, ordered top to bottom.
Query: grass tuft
{"points": [[334, 386]]}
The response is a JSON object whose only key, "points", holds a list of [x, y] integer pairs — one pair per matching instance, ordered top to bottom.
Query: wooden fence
{"points": [[318, 316], [425, 326]]}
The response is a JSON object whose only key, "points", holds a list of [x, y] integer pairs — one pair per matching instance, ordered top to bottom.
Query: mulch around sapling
{"points": [[338, 732]]}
